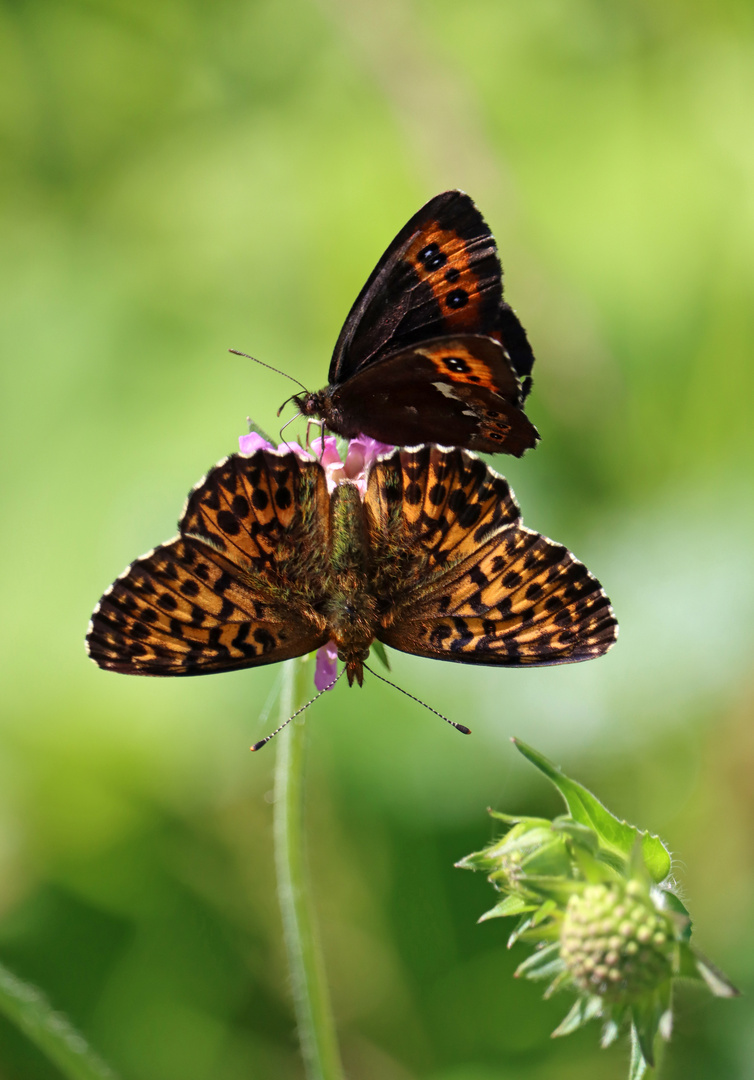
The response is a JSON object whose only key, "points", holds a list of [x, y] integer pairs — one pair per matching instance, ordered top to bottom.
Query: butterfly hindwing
{"points": [[468, 392], [478, 587], [231, 590]]}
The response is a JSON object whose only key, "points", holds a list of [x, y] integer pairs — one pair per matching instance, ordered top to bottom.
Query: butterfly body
{"points": [[430, 351], [269, 565]]}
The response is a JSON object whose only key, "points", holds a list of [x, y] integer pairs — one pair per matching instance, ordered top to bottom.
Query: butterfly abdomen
{"points": [[350, 609]]}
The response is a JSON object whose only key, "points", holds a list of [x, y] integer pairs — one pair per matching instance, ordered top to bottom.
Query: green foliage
{"points": [[595, 903]]}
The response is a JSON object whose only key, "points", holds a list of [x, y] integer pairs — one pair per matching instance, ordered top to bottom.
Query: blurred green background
{"points": [[180, 177]]}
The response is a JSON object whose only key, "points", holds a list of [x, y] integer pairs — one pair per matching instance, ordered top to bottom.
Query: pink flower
{"points": [[248, 444], [361, 453], [326, 668]]}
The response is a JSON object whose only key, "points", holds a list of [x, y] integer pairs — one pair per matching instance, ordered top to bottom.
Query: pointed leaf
{"points": [[586, 809], [515, 819], [578, 833], [477, 860], [511, 905], [520, 927], [542, 964], [560, 980], [717, 982], [583, 1010], [645, 1015], [610, 1032], [638, 1065]]}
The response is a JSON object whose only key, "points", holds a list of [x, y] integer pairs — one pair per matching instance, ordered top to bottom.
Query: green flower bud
{"points": [[608, 954]]}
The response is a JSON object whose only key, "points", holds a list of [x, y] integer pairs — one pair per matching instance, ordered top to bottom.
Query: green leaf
{"points": [[254, 427], [379, 652], [586, 809], [518, 819], [579, 834], [477, 860], [552, 888], [669, 902], [511, 905], [521, 927], [542, 964], [560, 980], [716, 981], [582, 1011], [645, 1016], [50, 1031], [610, 1032], [638, 1065]]}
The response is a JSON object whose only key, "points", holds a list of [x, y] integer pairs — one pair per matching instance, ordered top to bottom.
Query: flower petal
{"points": [[248, 444], [362, 452], [326, 669]]}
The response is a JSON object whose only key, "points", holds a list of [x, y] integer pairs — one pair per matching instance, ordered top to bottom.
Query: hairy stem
{"points": [[316, 1028], [50, 1031]]}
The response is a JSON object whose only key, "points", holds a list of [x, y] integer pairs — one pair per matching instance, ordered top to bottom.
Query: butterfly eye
{"points": [[431, 257]]}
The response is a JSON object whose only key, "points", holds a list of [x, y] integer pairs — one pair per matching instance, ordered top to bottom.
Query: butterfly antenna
{"points": [[237, 352], [459, 727], [266, 739]]}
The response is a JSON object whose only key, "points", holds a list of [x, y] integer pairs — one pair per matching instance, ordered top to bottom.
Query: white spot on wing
{"points": [[446, 390]]}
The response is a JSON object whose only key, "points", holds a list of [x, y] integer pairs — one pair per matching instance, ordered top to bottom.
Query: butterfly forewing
{"points": [[440, 275], [237, 588], [485, 589]]}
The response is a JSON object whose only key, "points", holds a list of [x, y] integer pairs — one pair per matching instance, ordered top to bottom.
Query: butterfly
{"points": [[430, 351], [268, 564]]}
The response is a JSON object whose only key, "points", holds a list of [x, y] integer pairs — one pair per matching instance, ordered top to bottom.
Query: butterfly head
{"points": [[319, 405]]}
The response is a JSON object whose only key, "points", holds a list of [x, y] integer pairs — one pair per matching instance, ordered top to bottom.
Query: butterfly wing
{"points": [[440, 276], [459, 391], [461, 578], [238, 587]]}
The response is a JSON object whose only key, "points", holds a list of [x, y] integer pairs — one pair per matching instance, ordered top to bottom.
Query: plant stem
{"points": [[316, 1028], [50, 1031]]}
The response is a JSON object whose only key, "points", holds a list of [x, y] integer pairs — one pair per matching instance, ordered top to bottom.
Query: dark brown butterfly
{"points": [[430, 351], [268, 565]]}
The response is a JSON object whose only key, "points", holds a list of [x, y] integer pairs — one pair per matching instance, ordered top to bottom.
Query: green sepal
{"points": [[254, 427], [379, 652], [586, 809], [518, 819], [579, 834], [477, 860], [593, 866], [553, 888], [669, 902], [511, 905], [520, 928], [542, 964], [692, 965], [563, 978], [582, 1011], [646, 1015], [610, 1032], [638, 1066]]}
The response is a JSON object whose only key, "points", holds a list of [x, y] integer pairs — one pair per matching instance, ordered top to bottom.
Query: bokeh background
{"points": [[179, 178]]}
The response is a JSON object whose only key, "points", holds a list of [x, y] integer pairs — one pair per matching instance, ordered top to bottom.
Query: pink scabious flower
{"points": [[361, 453]]}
